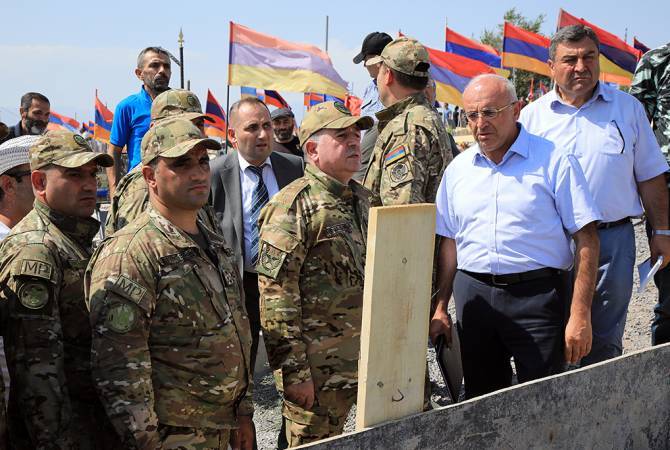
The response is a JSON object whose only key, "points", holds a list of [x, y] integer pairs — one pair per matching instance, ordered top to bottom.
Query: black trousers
{"points": [[251, 300], [525, 321]]}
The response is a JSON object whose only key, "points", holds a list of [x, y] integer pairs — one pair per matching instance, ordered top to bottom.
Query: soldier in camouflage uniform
{"points": [[651, 86], [413, 147], [131, 196], [310, 276], [47, 334], [171, 336]]}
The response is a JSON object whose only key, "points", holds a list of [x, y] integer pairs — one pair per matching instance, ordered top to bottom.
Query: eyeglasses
{"points": [[486, 113], [18, 175]]}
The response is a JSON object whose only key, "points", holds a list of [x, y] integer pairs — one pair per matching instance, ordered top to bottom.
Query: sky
{"points": [[66, 50]]}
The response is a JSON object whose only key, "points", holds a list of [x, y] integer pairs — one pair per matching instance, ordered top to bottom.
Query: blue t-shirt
{"points": [[131, 120]]}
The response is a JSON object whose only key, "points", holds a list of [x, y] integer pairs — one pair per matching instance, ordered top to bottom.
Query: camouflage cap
{"points": [[405, 55], [177, 102], [330, 116], [172, 138], [64, 149]]}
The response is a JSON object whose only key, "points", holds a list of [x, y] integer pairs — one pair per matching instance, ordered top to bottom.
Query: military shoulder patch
{"points": [[396, 154], [399, 172], [270, 260], [35, 268], [128, 288], [33, 295], [121, 318]]}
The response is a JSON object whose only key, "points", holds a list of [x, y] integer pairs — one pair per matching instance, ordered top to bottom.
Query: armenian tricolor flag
{"points": [[461, 45], [640, 46], [525, 50], [257, 59], [617, 59], [452, 73], [267, 96], [311, 99], [213, 109], [103, 121], [61, 122], [88, 127]]}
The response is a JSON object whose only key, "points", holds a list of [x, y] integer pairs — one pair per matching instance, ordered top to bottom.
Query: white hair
{"points": [[509, 86]]}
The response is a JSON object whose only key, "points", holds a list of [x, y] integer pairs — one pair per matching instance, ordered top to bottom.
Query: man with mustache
{"points": [[34, 112], [132, 116], [283, 124], [608, 132], [310, 275], [47, 335], [171, 338]]}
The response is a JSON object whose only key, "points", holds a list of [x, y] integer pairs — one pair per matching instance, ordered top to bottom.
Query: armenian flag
{"points": [[461, 45], [640, 46], [525, 50], [617, 59], [260, 60], [452, 73], [246, 91], [273, 98], [311, 99], [353, 104], [213, 109], [103, 121], [61, 122], [88, 127]]}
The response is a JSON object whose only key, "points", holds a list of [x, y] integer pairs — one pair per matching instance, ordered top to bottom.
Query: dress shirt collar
{"points": [[602, 92], [519, 146], [244, 163]]}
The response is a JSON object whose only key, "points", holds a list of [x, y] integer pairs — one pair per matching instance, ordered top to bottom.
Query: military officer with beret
{"points": [[413, 147], [310, 275], [47, 335], [171, 336]]}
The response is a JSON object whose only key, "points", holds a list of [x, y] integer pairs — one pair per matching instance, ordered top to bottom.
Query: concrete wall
{"points": [[621, 404]]}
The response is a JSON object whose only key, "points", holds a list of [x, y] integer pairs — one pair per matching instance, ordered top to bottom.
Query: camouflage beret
{"points": [[404, 55], [177, 102], [330, 116], [171, 138], [64, 149]]}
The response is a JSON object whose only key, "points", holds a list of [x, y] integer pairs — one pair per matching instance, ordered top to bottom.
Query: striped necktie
{"points": [[259, 198]]}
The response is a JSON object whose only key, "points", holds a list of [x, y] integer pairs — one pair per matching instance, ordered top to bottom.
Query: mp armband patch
{"points": [[270, 260], [35, 268], [129, 289]]}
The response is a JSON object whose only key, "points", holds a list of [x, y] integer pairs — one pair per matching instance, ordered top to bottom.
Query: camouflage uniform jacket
{"points": [[651, 86], [410, 154], [131, 198], [310, 276], [46, 327], [171, 336]]}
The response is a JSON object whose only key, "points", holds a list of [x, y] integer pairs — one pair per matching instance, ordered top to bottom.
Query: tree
{"points": [[494, 38]]}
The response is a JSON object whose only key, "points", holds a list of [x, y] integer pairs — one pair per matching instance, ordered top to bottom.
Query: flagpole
{"points": [[326, 34], [180, 41], [227, 112]]}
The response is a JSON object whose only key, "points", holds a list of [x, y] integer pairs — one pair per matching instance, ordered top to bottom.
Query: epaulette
{"points": [[286, 197]]}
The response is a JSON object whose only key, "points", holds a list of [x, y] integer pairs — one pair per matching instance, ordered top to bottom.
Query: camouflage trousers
{"points": [[325, 419], [187, 438]]}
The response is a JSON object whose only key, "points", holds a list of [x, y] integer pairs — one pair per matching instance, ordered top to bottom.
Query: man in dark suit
{"points": [[239, 193]]}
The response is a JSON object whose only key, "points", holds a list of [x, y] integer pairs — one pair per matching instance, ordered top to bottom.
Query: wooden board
{"points": [[396, 308]]}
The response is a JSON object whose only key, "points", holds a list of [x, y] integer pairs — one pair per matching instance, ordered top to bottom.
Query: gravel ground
{"points": [[636, 337]]}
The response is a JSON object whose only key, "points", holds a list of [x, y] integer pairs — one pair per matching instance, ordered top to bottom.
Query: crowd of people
{"points": [[149, 339]]}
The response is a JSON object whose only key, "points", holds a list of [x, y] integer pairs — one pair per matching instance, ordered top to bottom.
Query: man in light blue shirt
{"points": [[132, 116], [608, 132], [506, 208]]}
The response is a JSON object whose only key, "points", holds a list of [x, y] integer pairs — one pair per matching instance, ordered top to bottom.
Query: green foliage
{"points": [[494, 38]]}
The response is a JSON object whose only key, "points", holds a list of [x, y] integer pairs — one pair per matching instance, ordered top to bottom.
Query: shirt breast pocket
{"points": [[615, 138]]}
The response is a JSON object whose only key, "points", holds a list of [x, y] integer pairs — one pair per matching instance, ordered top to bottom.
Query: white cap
{"points": [[14, 152]]}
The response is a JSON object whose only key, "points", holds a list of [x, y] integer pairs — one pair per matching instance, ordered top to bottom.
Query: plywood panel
{"points": [[396, 308]]}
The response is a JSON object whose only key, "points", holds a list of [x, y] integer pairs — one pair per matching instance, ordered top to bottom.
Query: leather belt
{"points": [[616, 223], [513, 278]]}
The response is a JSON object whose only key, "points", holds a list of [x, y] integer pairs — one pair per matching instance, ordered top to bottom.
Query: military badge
{"points": [[191, 100], [341, 108], [80, 140], [399, 172], [270, 260], [33, 295], [121, 318]]}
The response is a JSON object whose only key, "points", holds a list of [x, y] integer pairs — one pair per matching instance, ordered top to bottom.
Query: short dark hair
{"points": [[572, 33], [159, 50], [409, 81], [28, 97], [232, 113]]}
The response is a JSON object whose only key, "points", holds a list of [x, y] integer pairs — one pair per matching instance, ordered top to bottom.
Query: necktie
{"points": [[259, 198]]}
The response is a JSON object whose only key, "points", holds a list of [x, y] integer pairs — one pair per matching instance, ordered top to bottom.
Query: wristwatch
{"points": [[661, 232]]}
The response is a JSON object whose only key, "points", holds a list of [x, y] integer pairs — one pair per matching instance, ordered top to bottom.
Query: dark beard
{"points": [[158, 86], [34, 126], [284, 135]]}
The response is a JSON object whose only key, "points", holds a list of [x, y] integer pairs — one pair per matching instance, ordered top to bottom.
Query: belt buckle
{"points": [[497, 283]]}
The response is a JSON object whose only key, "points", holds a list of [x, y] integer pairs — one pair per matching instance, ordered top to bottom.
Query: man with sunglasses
{"points": [[608, 132], [16, 192], [505, 210]]}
